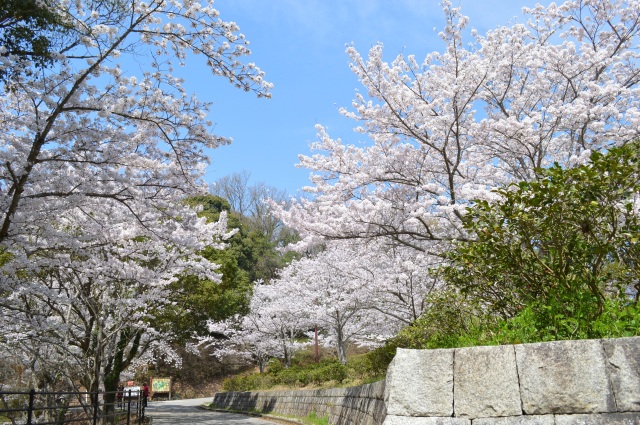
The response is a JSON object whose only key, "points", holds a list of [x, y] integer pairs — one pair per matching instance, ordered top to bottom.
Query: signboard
{"points": [[161, 385], [133, 392]]}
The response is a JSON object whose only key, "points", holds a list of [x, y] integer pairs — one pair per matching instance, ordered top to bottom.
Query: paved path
{"points": [[178, 412]]}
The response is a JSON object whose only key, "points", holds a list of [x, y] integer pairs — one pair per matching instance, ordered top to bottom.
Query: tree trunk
{"points": [[342, 353], [287, 356], [116, 365]]}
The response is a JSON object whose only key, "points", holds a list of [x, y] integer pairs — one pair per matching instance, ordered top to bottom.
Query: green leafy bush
{"points": [[555, 251], [618, 319], [376, 362], [275, 366], [330, 370], [334, 371], [247, 382]]}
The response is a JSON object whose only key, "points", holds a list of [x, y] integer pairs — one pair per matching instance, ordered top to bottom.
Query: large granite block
{"points": [[623, 355], [564, 377], [486, 382], [420, 383], [631, 418], [408, 420], [517, 420]]}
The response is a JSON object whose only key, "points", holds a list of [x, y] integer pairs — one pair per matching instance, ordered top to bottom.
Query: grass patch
{"points": [[313, 419]]}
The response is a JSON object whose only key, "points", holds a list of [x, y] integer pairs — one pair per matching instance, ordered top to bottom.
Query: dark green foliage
{"points": [[26, 30], [212, 206], [560, 246], [254, 251], [260, 255], [248, 256], [199, 300], [373, 365]]}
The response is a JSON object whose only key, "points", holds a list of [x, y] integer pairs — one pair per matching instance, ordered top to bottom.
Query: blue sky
{"points": [[300, 45]]}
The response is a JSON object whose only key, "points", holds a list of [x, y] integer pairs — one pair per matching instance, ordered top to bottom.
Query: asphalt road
{"points": [[178, 412]]}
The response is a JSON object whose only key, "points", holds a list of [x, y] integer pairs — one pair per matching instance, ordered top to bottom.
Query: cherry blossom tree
{"points": [[485, 111], [87, 131], [95, 164], [401, 281], [352, 293], [363, 293], [336, 298], [95, 309], [276, 314], [270, 329], [241, 337]]}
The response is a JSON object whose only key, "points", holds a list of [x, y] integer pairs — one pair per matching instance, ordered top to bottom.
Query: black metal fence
{"points": [[57, 408]]}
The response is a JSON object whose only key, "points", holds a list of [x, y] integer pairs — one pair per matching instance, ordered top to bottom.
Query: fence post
{"points": [[32, 396], [96, 403], [143, 405], [138, 407], [129, 408]]}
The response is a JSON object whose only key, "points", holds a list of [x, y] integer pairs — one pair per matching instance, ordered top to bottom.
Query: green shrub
{"points": [[554, 253], [618, 319], [377, 361], [274, 366], [334, 371], [288, 376], [295, 376], [247, 382]]}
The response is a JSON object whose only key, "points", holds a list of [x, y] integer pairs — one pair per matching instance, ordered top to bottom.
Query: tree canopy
{"points": [[26, 31], [486, 110], [96, 164]]}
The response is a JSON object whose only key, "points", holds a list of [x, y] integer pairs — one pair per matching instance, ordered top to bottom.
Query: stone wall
{"points": [[551, 383], [555, 383], [363, 405]]}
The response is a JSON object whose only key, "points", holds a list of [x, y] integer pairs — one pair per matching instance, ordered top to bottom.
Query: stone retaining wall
{"points": [[552, 383], [555, 383], [363, 405]]}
